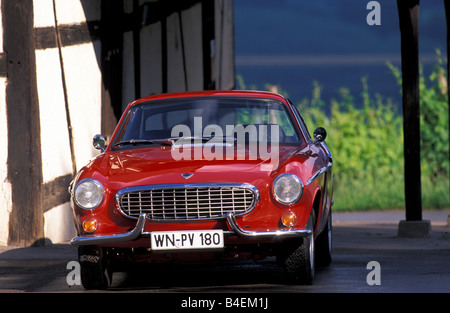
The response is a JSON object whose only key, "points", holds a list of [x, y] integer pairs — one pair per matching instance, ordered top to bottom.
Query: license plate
{"points": [[193, 239]]}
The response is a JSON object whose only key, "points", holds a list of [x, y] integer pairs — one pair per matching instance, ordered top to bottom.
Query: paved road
{"points": [[405, 265]]}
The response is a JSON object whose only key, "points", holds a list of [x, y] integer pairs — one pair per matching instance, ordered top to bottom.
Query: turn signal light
{"points": [[288, 219], [90, 225]]}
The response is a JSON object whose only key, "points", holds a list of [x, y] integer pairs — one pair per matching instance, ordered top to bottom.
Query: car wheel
{"points": [[323, 244], [299, 263], [94, 269]]}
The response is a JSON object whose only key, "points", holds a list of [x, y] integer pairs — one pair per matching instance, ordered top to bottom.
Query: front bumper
{"points": [[138, 232]]}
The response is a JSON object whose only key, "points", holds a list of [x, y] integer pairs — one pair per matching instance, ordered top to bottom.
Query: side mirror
{"points": [[319, 134], [99, 142]]}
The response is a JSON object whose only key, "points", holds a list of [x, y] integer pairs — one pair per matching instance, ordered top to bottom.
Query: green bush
{"points": [[365, 136], [366, 139]]}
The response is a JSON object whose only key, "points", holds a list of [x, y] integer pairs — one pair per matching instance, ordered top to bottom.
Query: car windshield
{"points": [[156, 122]]}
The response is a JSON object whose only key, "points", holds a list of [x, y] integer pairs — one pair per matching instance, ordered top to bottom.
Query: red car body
{"points": [[135, 172]]}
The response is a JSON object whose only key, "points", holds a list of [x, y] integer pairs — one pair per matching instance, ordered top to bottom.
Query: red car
{"points": [[201, 176]]}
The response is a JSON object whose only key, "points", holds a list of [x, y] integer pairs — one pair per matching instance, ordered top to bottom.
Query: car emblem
{"points": [[187, 175]]}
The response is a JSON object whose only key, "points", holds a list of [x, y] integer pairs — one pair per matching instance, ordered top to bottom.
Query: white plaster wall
{"points": [[70, 11], [43, 13], [83, 81], [55, 145], [5, 186], [59, 226]]}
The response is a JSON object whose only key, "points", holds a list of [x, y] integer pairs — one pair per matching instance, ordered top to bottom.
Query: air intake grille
{"points": [[187, 202]]}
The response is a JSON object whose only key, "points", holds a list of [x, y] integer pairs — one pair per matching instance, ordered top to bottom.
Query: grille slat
{"points": [[185, 202]]}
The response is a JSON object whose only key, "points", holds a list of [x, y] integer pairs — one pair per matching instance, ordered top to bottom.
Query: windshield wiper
{"points": [[192, 138], [205, 139], [134, 142]]}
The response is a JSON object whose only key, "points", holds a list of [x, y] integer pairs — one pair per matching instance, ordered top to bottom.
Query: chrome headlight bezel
{"points": [[280, 187], [88, 194]]}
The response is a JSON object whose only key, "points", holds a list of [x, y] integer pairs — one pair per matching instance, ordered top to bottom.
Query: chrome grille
{"points": [[187, 202]]}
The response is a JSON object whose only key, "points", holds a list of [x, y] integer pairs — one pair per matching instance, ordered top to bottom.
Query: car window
{"points": [[156, 120], [301, 121]]}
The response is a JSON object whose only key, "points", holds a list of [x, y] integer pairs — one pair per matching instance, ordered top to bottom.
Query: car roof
{"points": [[212, 93]]}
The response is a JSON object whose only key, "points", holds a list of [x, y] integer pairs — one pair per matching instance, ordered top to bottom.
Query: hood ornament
{"points": [[187, 175]]}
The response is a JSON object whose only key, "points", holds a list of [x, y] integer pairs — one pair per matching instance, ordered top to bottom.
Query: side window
{"points": [[282, 119], [301, 122], [132, 125]]}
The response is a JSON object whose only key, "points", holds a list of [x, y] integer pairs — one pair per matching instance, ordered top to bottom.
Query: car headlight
{"points": [[287, 188], [88, 194]]}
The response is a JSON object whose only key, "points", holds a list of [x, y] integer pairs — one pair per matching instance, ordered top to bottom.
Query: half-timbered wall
{"points": [[68, 68], [69, 94]]}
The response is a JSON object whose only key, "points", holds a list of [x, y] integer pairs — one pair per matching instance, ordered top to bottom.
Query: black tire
{"points": [[324, 244], [299, 264], [95, 272]]}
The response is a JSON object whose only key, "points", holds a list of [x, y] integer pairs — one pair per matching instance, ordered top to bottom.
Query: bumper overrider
{"points": [[138, 232]]}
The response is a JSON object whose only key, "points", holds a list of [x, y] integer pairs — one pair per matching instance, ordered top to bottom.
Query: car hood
{"points": [[155, 165]]}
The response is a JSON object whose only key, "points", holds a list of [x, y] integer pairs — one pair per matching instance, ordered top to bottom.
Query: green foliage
{"points": [[434, 121], [365, 136], [366, 139]]}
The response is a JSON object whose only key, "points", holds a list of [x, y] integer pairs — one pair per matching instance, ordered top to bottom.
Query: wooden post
{"points": [[408, 12], [26, 223]]}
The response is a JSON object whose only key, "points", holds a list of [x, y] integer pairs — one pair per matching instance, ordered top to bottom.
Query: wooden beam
{"points": [[408, 12], [70, 35], [3, 65], [55, 192], [26, 223]]}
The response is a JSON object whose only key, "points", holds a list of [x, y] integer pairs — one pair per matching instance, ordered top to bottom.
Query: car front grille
{"points": [[187, 201]]}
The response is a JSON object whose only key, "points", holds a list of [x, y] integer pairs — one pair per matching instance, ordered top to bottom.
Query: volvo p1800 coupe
{"points": [[204, 176]]}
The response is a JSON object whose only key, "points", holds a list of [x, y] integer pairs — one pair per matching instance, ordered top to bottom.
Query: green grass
{"points": [[365, 195]]}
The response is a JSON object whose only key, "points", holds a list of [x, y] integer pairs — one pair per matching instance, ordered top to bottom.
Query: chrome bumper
{"points": [[138, 231], [289, 233], [97, 240]]}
